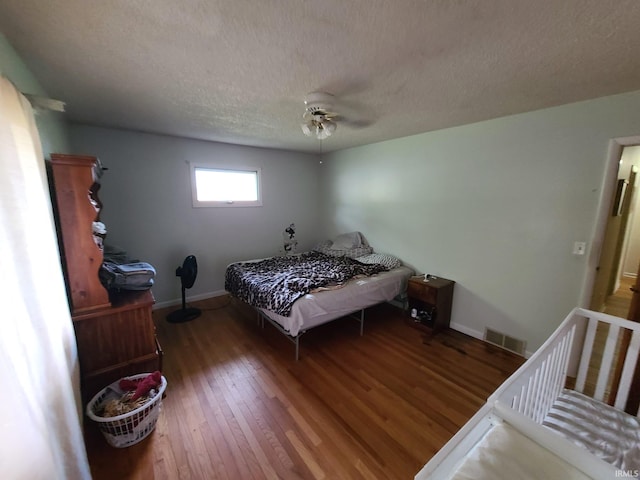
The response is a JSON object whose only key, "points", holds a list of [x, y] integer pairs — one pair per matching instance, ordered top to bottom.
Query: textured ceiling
{"points": [[237, 71]]}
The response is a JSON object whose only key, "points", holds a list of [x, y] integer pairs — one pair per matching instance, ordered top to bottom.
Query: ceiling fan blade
{"points": [[356, 123]]}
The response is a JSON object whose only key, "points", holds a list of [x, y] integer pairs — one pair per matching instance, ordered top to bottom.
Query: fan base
{"points": [[184, 315]]}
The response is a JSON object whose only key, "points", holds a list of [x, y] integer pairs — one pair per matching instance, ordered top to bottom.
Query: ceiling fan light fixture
{"points": [[318, 116], [318, 126], [329, 126], [306, 128]]}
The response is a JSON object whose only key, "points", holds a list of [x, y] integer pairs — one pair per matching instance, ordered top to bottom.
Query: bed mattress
{"points": [[276, 283], [317, 308], [610, 434], [506, 453]]}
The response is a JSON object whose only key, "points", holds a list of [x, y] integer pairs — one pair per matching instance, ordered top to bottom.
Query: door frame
{"points": [[607, 191]]}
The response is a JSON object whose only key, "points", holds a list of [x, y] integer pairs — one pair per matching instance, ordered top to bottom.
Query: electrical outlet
{"points": [[579, 248]]}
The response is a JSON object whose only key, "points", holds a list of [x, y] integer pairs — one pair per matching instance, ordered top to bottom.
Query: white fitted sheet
{"points": [[317, 308], [608, 433], [505, 453]]}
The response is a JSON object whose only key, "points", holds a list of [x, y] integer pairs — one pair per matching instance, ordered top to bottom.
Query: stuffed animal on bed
{"points": [[289, 239]]}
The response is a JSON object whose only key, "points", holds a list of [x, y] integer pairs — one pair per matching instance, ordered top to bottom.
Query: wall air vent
{"points": [[505, 341]]}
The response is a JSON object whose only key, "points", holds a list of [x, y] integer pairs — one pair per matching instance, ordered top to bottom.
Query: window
{"points": [[222, 187]]}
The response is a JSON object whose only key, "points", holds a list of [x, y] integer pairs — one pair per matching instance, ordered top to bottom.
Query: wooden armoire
{"points": [[115, 332]]}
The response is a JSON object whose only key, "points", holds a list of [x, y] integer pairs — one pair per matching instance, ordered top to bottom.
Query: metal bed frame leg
{"points": [[296, 339]]}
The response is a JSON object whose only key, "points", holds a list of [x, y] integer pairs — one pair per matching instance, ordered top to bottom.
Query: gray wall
{"points": [[52, 126], [147, 204], [495, 206]]}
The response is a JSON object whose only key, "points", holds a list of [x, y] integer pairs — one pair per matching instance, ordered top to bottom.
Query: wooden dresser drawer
{"points": [[422, 291]]}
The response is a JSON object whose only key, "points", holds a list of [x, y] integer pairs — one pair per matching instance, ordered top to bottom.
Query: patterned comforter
{"points": [[276, 283]]}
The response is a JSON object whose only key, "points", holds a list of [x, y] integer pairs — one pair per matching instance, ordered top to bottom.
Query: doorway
{"points": [[619, 261]]}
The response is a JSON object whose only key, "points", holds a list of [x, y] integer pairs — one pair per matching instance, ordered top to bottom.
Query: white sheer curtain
{"points": [[40, 431]]}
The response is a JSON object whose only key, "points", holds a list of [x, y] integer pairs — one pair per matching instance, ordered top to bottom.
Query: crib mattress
{"points": [[608, 433], [506, 453]]}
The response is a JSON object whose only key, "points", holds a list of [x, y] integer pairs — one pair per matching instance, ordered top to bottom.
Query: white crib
{"points": [[534, 426]]}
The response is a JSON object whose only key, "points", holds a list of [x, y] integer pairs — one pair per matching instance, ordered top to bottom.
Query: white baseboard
{"points": [[630, 275], [192, 298], [467, 331], [476, 334]]}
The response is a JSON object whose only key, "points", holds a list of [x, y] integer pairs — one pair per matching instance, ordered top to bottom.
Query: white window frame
{"points": [[225, 203]]}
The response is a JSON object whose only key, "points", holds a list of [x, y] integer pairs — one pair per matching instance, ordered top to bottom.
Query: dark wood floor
{"points": [[618, 303], [238, 406]]}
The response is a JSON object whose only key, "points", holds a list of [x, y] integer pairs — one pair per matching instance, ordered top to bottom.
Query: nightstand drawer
{"points": [[422, 291], [430, 302]]}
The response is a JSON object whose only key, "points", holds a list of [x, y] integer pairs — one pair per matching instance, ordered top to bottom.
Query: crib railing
{"points": [[604, 347], [570, 355], [615, 373], [533, 388]]}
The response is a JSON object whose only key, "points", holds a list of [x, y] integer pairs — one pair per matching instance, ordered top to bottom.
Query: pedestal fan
{"points": [[187, 273]]}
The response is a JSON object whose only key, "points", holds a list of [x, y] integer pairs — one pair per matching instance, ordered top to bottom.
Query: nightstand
{"points": [[432, 301]]}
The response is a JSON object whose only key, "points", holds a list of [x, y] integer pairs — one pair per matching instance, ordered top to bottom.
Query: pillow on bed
{"points": [[347, 241], [325, 247], [351, 253], [385, 259]]}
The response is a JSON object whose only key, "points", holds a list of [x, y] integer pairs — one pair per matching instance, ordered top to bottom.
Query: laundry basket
{"points": [[131, 427]]}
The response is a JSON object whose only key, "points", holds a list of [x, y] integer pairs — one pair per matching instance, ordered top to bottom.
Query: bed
{"points": [[296, 293], [570, 411]]}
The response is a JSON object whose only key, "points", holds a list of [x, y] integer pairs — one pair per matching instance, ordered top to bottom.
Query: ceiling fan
{"points": [[319, 120]]}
